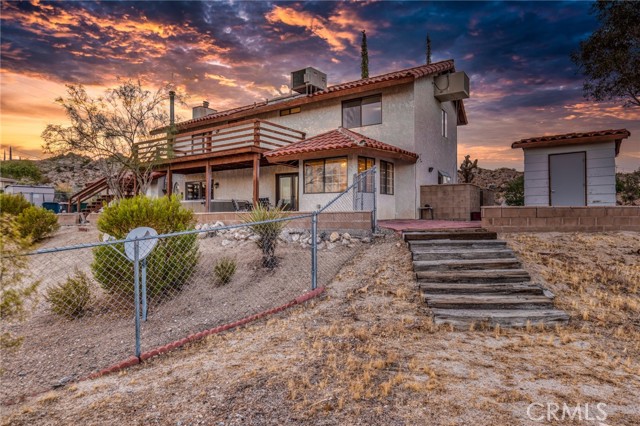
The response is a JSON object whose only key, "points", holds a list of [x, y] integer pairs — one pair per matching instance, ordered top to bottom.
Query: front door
{"points": [[567, 179], [287, 191]]}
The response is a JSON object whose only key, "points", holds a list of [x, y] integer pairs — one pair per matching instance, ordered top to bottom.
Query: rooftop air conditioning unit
{"points": [[308, 80], [451, 87]]}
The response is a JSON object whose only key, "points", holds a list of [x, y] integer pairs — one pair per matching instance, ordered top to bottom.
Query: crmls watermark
{"points": [[546, 412]]}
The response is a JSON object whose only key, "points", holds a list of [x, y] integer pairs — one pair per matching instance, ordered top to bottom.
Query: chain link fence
{"points": [[100, 303]]}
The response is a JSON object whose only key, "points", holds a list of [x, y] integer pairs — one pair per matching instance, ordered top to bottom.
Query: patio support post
{"points": [[256, 179], [169, 182], [207, 189]]}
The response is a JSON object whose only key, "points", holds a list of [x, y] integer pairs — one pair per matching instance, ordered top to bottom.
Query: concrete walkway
{"points": [[399, 225]]}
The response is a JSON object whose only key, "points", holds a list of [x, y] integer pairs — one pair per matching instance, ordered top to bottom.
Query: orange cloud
{"points": [[339, 30]]}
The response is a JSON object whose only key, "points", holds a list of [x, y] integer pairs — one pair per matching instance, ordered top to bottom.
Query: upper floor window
{"points": [[290, 111], [362, 112], [444, 123], [325, 175]]}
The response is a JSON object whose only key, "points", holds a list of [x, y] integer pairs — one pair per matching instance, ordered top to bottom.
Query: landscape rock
{"points": [[334, 237]]}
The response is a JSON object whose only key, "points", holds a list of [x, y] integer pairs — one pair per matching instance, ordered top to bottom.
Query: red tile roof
{"points": [[415, 72], [597, 136], [340, 138]]}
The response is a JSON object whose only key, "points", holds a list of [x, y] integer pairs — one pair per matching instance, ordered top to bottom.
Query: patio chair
{"points": [[264, 202]]}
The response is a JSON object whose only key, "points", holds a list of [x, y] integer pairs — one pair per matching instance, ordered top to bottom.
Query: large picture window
{"points": [[362, 112], [364, 164], [326, 175], [386, 177], [195, 191]]}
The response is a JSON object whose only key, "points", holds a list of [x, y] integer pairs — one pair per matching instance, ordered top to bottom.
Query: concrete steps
{"points": [[470, 277]]}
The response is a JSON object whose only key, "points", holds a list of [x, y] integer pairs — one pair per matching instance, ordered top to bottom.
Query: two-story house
{"points": [[299, 151]]}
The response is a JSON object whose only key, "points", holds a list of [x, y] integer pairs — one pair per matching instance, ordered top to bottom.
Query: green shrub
{"points": [[23, 170], [628, 186], [514, 193], [13, 204], [164, 214], [37, 223], [268, 232], [172, 261], [224, 270], [17, 291], [71, 298]]}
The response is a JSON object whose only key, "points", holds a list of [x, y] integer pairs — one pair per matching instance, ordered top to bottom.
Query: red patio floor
{"points": [[419, 225]]}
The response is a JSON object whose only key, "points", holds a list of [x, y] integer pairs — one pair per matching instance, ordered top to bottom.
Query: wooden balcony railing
{"points": [[244, 134]]}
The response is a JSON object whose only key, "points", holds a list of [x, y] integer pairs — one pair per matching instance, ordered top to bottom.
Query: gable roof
{"points": [[385, 80], [598, 136], [339, 139]]}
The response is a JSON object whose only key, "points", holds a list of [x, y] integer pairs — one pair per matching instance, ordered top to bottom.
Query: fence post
{"points": [[374, 214], [314, 250], [144, 289], [136, 291]]}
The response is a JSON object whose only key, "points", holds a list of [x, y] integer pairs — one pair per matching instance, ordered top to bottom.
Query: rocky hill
{"points": [[69, 172]]}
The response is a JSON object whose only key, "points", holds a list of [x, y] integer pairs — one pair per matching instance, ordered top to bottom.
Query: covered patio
{"points": [[231, 147]]}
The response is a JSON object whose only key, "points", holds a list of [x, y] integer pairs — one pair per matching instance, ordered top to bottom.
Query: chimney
{"points": [[203, 110], [172, 114]]}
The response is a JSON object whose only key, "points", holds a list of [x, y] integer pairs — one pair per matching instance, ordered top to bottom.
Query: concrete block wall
{"points": [[454, 201], [561, 219]]}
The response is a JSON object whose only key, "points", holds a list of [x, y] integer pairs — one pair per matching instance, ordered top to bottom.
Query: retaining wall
{"points": [[561, 219], [354, 222]]}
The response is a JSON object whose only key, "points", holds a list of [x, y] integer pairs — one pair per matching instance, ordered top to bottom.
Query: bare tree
{"points": [[106, 128]]}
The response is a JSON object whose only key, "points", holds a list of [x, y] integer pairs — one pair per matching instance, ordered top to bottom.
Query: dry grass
{"points": [[368, 353]]}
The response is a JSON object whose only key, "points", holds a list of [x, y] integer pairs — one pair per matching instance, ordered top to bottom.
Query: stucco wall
{"points": [[434, 150], [601, 169]]}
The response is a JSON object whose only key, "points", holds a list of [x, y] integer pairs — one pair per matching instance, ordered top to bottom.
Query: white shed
{"points": [[574, 169], [35, 194]]}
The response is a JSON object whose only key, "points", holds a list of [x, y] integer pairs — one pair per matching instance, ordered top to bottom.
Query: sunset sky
{"points": [[232, 53]]}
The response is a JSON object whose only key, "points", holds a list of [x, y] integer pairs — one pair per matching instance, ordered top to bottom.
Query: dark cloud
{"points": [[234, 53]]}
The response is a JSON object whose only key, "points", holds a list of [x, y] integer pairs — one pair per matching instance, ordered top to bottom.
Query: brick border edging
{"points": [[133, 360]]}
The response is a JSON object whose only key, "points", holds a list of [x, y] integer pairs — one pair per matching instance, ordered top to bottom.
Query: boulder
{"points": [[346, 236], [334, 237]]}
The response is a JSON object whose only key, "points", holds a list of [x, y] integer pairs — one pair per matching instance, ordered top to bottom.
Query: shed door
{"points": [[567, 179]]}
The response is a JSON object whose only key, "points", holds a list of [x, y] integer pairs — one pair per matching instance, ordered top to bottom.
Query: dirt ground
{"points": [[56, 350], [367, 353]]}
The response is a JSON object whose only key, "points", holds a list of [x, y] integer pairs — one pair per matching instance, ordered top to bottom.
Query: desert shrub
{"points": [[23, 170], [628, 186], [514, 193], [13, 204], [165, 215], [37, 223], [268, 232], [172, 261], [224, 270], [16, 288], [71, 298]]}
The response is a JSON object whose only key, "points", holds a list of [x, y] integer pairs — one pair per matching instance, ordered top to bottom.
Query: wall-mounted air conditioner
{"points": [[308, 80], [451, 87]]}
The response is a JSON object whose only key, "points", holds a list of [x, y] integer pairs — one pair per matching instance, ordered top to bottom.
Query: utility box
{"points": [[308, 80], [451, 87]]}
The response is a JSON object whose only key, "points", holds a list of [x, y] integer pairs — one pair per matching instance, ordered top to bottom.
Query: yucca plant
{"points": [[268, 232], [224, 270]]}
